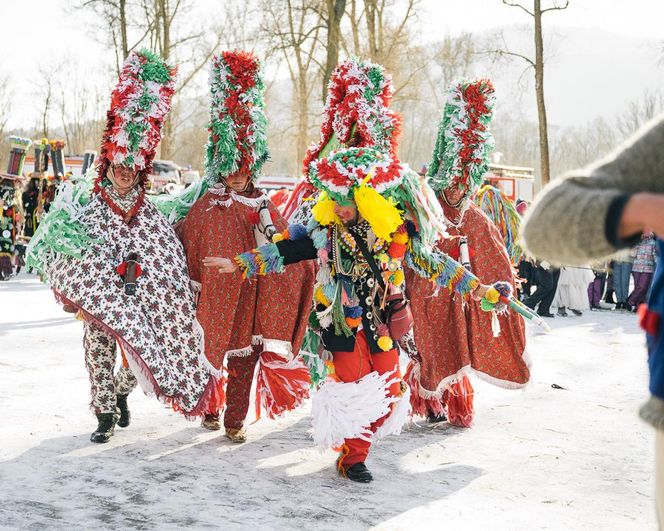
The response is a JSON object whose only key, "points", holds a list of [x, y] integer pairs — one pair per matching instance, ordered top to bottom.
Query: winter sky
{"points": [[43, 31]]}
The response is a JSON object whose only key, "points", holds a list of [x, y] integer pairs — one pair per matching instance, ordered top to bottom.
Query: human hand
{"points": [[642, 212], [223, 264], [480, 291]]}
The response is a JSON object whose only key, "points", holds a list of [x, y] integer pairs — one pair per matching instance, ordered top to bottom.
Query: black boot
{"points": [[125, 414], [432, 418], [105, 428], [359, 473]]}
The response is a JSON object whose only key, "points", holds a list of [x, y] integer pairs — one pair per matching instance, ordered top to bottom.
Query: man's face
{"points": [[123, 178], [237, 182], [454, 195], [347, 213]]}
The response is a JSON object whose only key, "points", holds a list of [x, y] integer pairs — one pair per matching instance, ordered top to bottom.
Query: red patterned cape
{"points": [[236, 313], [156, 327], [452, 336]]}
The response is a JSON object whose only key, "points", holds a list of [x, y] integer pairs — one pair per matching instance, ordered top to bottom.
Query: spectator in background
{"points": [[644, 254], [622, 268], [596, 287], [572, 292], [608, 296]]}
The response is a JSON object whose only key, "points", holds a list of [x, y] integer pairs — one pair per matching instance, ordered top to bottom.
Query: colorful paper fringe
{"points": [[139, 105], [237, 141], [461, 154], [502, 212], [60, 231], [261, 261], [442, 270], [280, 385], [459, 402]]}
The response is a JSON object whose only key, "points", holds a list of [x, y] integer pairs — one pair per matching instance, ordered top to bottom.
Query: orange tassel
{"points": [[280, 389], [459, 402]]}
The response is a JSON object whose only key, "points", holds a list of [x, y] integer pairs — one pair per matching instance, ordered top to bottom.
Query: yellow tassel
{"points": [[323, 210], [383, 216], [277, 237], [398, 277], [492, 295], [320, 297], [385, 343]]}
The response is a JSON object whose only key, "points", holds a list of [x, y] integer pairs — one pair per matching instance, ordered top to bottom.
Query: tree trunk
{"points": [[335, 12], [370, 13], [123, 28], [355, 28], [165, 47], [539, 90], [302, 106]]}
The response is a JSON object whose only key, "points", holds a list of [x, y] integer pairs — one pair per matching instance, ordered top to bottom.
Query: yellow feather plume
{"points": [[323, 210], [382, 214]]}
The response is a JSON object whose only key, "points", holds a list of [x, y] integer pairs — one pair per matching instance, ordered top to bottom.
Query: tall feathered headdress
{"points": [[139, 104], [357, 112], [237, 140], [461, 154]]}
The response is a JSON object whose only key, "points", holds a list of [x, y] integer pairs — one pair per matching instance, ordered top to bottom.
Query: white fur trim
{"points": [[240, 352], [346, 410], [399, 416]]}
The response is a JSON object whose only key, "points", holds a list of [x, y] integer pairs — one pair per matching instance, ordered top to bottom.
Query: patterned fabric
{"points": [[645, 255], [235, 313], [156, 327], [451, 335], [100, 361], [238, 390]]}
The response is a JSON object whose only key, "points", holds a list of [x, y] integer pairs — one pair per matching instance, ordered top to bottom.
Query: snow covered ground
{"points": [[543, 458]]}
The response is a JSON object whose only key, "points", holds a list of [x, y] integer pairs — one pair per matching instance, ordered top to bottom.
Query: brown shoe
{"points": [[211, 422], [236, 435]]}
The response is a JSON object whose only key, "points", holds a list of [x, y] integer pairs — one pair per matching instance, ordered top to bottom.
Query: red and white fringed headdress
{"points": [[139, 104], [356, 111]]}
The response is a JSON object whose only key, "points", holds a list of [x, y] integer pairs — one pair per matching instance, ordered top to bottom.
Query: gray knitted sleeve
{"points": [[566, 223]]}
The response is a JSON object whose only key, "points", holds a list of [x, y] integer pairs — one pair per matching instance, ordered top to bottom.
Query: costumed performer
{"points": [[372, 215], [116, 260], [245, 323], [453, 337]]}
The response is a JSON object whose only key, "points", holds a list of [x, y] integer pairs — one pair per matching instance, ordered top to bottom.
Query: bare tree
{"points": [[332, 18], [123, 23], [293, 27], [537, 64], [45, 94], [5, 102], [81, 106], [639, 111]]}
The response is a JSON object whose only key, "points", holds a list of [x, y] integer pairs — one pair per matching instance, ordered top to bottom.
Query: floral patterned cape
{"points": [[157, 327]]}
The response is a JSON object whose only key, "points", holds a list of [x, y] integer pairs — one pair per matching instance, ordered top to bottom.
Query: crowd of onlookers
{"points": [[621, 284]]}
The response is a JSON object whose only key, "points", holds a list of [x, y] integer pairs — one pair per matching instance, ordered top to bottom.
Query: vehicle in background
{"points": [[189, 176], [165, 178], [277, 182], [516, 182]]}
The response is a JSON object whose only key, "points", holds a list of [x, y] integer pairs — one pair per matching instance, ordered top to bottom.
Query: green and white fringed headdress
{"points": [[237, 141], [461, 154]]}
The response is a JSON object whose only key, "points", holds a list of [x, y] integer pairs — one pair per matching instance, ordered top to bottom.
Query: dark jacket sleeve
{"points": [[294, 251]]}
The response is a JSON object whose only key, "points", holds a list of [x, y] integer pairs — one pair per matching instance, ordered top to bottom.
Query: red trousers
{"points": [[350, 367], [238, 389]]}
